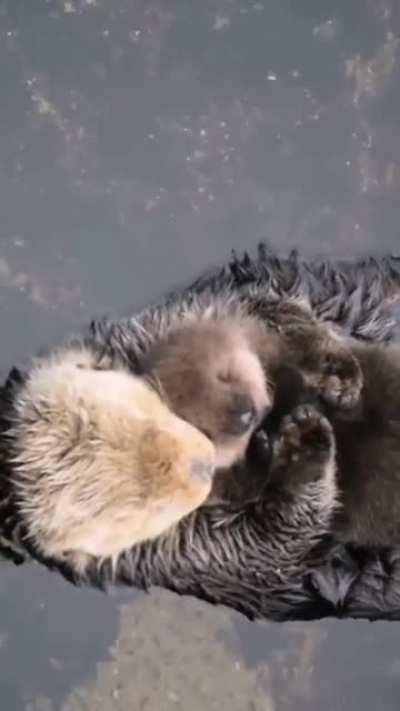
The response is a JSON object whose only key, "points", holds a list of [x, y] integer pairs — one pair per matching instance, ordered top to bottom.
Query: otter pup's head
{"points": [[210, 374], [99, 461]]}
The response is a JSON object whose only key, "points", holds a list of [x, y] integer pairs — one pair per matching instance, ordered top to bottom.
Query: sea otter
{"points": [[100, 463], [270, 557]]}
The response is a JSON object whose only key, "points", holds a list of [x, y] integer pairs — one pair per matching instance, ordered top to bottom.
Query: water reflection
{"points": [[139, 142], [50, 634]]}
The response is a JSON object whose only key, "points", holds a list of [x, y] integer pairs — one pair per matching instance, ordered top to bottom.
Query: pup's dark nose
{"points": [[241, 417], [247, 418], [202, 469]]}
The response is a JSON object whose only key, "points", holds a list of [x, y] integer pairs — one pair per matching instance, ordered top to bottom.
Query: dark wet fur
{"points": [[368, 445], [369, 454], [271, 557]]}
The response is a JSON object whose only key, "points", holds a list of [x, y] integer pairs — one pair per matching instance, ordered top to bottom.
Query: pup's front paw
{"points": [[305, 434]]}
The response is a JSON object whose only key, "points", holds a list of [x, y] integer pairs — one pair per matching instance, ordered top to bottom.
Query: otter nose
{"points": [[242, 417], [247, 419], [201, 469]]}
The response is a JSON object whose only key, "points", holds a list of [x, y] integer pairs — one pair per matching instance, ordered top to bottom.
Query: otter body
{"points": [[367, 438], [368, 452], [102, 461], [268, 557]]}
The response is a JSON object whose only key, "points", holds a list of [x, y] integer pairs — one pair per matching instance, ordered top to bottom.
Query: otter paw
{"points": [[341, 382], [304, 435]]}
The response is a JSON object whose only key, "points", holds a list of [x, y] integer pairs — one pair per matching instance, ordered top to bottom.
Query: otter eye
{"points": [[225, 378]]}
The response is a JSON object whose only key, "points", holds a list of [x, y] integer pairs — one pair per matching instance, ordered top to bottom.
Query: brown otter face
{"points": [[211, 376]]}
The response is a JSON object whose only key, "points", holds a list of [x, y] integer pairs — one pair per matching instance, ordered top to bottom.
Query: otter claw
{"points": [[342, 381]]}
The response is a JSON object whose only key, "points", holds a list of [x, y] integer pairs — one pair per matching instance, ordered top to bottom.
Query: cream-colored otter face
{"points": [[211, 376], [100, 462]]}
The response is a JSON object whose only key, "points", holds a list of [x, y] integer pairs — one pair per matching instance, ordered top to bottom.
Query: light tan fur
{"points": [[101, 462]]}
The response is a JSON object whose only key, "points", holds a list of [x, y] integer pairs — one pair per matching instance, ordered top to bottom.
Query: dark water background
{"points": [[139, 142]]}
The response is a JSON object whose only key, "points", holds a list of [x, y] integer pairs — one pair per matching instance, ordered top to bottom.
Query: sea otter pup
{"points": [[219, 373], [99, 461]]}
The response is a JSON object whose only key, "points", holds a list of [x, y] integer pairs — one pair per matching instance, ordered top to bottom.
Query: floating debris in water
{"points": [[221, 22]]}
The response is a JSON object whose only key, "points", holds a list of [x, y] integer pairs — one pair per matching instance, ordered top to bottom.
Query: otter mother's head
{"points": [[98, 462]]}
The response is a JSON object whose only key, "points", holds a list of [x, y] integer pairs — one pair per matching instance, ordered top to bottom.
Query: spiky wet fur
{"points": [[261, 558]]}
